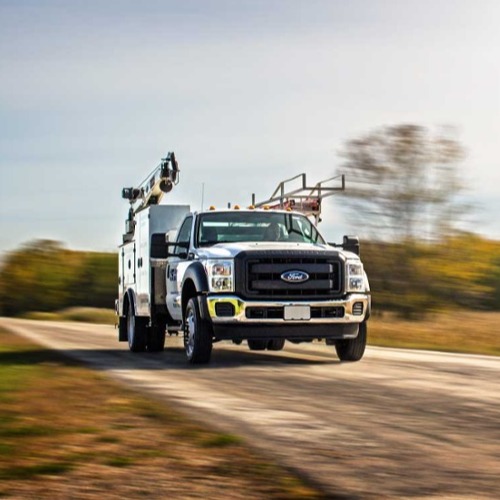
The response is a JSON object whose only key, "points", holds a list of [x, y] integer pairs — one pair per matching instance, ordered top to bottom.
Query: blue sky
{"points": [[247, 93]]}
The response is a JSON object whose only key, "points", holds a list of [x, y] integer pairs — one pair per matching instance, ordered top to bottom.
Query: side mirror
{"points": [[181, 244], [351, 244]]}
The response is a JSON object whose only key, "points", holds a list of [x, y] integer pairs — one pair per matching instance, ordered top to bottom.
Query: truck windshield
{"points": [[232, 227]]}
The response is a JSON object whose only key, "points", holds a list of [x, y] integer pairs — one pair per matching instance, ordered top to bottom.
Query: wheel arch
{"points": [[194, 283], [188, 291], [129, 301]]}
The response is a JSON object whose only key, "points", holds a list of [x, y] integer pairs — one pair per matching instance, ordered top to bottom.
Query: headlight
{"points": [[220, 275], [355, 276]]}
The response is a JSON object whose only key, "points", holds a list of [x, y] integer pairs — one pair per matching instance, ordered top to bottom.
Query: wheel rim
{"points": [[130, 327], [189, 332]]}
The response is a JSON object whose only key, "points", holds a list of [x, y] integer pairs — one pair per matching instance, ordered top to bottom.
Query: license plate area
{"points": [[296, 313]]}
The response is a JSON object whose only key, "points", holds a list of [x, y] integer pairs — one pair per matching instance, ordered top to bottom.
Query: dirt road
{"points": [[398, 424]]}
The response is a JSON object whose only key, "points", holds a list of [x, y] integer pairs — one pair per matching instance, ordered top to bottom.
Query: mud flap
{"points": [[202, 303]]}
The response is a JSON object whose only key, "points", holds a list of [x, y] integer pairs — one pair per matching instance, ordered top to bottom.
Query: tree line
{"points": [[43, 275], [411, 280]]}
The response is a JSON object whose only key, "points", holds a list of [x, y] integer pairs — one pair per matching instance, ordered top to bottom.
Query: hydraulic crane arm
{"points": [[150, 191]]}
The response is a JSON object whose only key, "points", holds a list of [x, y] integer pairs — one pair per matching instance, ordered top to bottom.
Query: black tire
{"points": [[136, 331], [197, 334], [156, 337], [257, 344], [276, 344], [352, 349]]}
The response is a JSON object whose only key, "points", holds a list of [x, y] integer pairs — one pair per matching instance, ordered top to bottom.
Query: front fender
{"points": [[196, 273], [194, 283]]}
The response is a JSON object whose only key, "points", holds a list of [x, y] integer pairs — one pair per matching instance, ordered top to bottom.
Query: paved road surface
{"points": [[398, 424]]}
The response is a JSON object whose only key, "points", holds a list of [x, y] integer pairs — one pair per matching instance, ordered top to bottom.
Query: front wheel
{"points": [[197, 334], [352, 349]]}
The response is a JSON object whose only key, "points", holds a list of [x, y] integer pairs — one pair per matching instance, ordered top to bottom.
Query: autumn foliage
{"points": [[43, 275], [413, 279]]}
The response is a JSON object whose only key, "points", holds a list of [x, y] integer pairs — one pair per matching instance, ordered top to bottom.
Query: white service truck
{"points": [[263, 275]]}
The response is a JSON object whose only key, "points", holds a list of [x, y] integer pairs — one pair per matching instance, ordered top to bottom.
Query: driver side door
{"points": [[173, 279]]}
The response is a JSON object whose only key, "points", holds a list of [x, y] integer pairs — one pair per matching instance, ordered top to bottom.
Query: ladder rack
{"points": [[305, 199]]}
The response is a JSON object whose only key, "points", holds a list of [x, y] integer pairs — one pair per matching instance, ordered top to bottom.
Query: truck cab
{"points": [[264, 276]]}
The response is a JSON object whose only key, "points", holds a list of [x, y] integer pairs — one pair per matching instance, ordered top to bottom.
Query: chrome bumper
{"points": [[241, 305]]}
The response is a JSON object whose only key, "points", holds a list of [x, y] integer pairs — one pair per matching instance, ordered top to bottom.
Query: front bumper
{"points": [[355, 308], [239, 326]]}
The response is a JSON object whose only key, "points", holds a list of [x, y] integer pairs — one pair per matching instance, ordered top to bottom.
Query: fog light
{"points": [[224, 309], [357, 309]]}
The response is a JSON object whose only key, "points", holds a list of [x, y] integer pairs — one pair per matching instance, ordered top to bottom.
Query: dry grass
{"points": [[84, 314], [467, 332], [68, 432]]}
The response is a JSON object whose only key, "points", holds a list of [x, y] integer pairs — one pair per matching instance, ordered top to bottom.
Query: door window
{"points": [[184, 235]]}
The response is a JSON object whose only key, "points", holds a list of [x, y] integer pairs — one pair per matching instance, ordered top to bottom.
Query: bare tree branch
{"points": [[403, 181]]}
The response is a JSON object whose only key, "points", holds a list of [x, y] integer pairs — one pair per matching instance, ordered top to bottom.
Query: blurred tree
{"points": [[403, 181], [460, 272], [44, 276], [30, 277], [494, 279], [95, 281]]}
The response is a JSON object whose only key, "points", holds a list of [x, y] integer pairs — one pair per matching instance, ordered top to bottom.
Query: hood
{"points": [[230, 250]]}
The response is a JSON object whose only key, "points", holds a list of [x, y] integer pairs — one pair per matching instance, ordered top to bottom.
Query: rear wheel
{"points": [[136, 331], [197, 334], [156, 337], [257, 344], [276, 344], [352, 349]]}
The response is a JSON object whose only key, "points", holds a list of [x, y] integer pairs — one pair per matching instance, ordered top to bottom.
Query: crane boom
{"points": [[160, 181], [150, 191]]}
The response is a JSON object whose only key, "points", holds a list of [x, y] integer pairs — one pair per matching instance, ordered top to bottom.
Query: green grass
{"points": [[28, 431], [221, 441], [6, 449], [119, 461], [33, 471]]}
